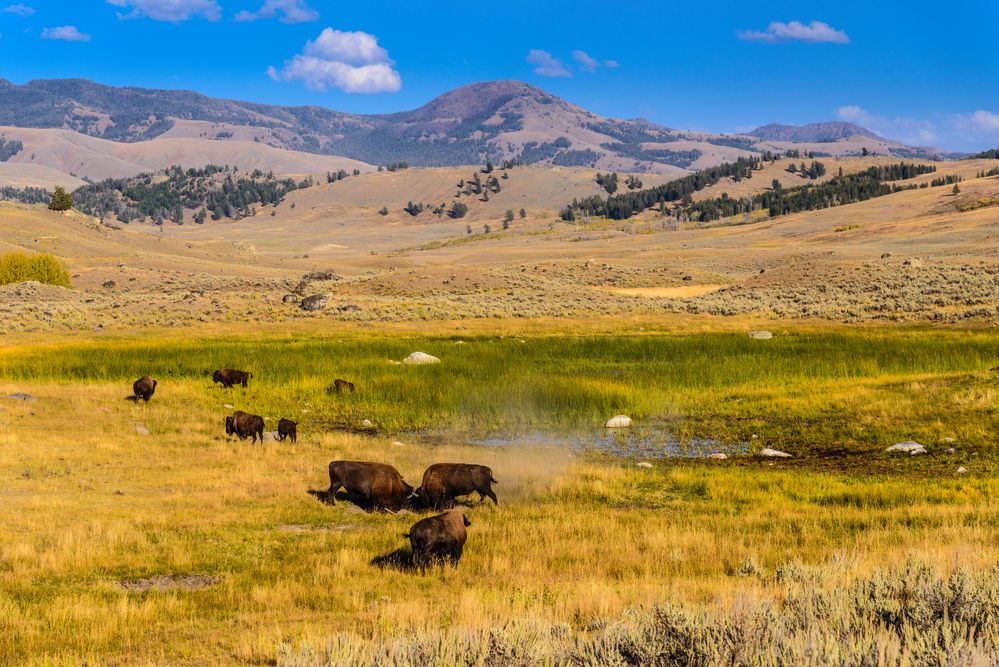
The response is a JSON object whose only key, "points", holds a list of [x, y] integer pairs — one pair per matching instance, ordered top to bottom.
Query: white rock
{"points": [[761, 335], [421, 358], [228, 407], [618, 421], [366, 423], [140, 428], [270, 436], [949, 440], [396, 443], [907, 447], [951, 450], [773, 453], [717, 455], [643, 464], [962, 470]]}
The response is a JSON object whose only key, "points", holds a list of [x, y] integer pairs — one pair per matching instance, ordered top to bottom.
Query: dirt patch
{"points": [[681, 292], [170, 582]]}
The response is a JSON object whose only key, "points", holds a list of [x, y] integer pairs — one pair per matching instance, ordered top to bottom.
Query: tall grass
{"points": [[18, 267], [850, 388]]}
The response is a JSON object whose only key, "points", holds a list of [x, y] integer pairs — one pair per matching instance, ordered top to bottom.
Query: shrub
{"points": [[17, 267]]}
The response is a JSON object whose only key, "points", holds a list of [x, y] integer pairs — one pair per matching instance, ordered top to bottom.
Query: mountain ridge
{"points": [[492, 120]]}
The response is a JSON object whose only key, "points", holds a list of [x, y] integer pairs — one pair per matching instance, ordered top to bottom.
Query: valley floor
{"points": [[138, 533]]}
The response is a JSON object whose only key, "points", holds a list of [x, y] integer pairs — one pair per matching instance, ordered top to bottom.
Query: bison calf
{"points": [[228, 377], [342, 385], [144, 388], [245, 425], [288, 429], [443, 482], [378, 484], [442, 536]]}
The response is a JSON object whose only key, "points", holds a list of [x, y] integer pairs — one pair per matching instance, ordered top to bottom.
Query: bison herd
{"points": [[376, 485]]}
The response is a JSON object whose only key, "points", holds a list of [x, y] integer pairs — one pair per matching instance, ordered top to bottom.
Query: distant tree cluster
{"points": [[9, 148], [986, 155], [396, 166], [994, 171], [812, 172], [339, 175], [949, 179], [608, 182], [633, 183], [220, 191], [25, 195], [61, 200], [779, 201], [413, 209], [457, 210]]}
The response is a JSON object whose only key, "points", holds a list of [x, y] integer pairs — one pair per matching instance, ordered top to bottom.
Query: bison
{"points": [[228, 377], [342, 385], [144, 388], [245, 426], [288, 429], [443, 482], [378, 484], [442, 536]]}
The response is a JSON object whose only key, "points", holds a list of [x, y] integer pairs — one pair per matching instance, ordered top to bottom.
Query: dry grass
{"points": [[578, 540]]}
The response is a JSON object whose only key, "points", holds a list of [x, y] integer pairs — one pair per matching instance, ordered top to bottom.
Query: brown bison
{"points": [[228, 377], [342, 385], [144, 388], [245, 426], [288, 429], [443, 482], [379, 485], [442, 536]]}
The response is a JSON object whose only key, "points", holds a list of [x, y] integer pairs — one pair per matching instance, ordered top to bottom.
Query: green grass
{"points": [[819, 392]]}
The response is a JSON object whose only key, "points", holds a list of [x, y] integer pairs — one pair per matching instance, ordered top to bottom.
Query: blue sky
{"points": [[920, 72]]}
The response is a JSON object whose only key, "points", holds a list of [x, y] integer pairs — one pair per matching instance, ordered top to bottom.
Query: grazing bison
{"points": [[228, 377], [342, 386], [144, 388], [245, 426], [288, 429], [443, 482], [378, 484], [441, 536]]}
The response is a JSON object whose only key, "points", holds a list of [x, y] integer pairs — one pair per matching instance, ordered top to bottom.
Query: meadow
{"points": [[588, 559]]}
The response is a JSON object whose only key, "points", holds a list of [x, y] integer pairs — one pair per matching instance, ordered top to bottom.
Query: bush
{"points": [[17, 267]]}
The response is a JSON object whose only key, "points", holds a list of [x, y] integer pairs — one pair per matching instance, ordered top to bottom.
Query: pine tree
{"points": [[61, 200]]}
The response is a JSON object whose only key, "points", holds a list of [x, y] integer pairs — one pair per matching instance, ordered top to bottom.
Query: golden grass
{"points": [[578, 539]]}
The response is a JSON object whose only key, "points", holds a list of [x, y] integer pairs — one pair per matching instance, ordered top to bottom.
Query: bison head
{"points": [[217, 376], [229, 428], [467, 522]]}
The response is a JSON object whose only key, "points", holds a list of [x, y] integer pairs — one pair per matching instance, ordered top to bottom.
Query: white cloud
{"points": [[169, 10], [23, 11], [292, 11], [815, 32], [65, 33], [350, 61], [586, 62], [546, 64], [613, 64], [957, 131]]}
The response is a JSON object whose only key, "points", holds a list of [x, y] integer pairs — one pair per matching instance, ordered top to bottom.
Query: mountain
{"points": [[497, 120], [813, 133]]}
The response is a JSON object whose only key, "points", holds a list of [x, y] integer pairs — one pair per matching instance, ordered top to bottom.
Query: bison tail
{"points": [[494, 480], [406, 535]]}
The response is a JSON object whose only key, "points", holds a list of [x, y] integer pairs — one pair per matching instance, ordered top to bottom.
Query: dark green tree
{"points": [[61, 200]]}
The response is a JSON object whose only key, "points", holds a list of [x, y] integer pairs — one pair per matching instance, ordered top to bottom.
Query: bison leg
{"points": [[294, 438], [488, 493], [456, 554]]}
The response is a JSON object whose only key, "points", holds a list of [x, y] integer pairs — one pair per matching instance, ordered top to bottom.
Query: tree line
{"points": [[9, 148]]}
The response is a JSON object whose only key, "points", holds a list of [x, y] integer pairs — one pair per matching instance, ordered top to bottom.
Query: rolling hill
{"points": [[497, 120]]}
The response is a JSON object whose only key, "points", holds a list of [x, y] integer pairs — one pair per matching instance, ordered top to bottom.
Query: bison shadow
{"points": [[323, 496], [401, 559]]}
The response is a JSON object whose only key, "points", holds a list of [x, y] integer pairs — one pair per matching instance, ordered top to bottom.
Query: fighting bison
{"points": [[228, 377], [342, 385], [144, 388], [245, 426], [288, 429], [443, 482], [379, 485], [442, 536]]}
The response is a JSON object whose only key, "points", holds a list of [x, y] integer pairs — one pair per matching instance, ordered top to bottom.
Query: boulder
{"points": [[290, 298], [314, 302], [760, 335], [418, 358], [21, 396], [619, 421], [367, 423], [140, 428], [270, 436], [948, 440], [910, 447], [951, 450], [773, 453], [717, 455], [643, 464], [962, 470]]}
